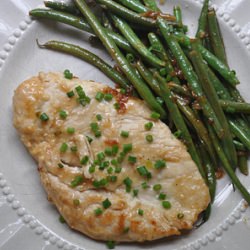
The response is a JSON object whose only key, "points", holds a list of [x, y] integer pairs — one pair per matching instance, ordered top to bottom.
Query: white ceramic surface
{"points": [[27, 220]]}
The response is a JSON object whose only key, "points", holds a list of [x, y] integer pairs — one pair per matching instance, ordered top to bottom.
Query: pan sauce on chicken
{"points": [[112, 171]]}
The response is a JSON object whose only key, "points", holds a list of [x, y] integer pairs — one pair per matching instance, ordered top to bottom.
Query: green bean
{"points": [[151, 4], [134, 5], [62, 6], [125, 13], [178, 16], [106, 22], [202, 22], [80, 23], [215, 37], [182, 39], [137, 44], [157, 46], [159, 49], [116, 54], [88, 57], [212, 60], [219, 66], [202, 72], [190, 76], [148, 77], [180, 89], [221, 91], [235, 94], [235, 107], [237, 121], [179, 122], [198, 126], [240, 133], [239, 146], [243, 166], [210, 171], [235, 180]]}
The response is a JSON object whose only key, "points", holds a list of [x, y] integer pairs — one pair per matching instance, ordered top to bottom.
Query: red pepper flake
{"points": [[155, 14], [121, 99], [111, 142], [219, 174]]}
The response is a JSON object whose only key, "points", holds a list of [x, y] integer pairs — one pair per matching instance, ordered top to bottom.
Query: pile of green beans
{"points": [[159, 61]]}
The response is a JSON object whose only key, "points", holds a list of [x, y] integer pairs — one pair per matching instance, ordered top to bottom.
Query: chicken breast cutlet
{"points": [[112, 171]]}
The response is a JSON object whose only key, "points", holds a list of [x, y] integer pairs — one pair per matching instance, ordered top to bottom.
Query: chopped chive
{"points": [[163, 72], [67, 74], [123, 91], [80, 92], [70, 93], [99, 96], [108, 97], [84, 101], [117, 106], [63, 114], [155, 115], [44, 117], [98, 117], [94, 126], [148, 126], [70, 130], [98, 133], [124, 134], [177, 134], [149, 138], [89, 139], [64, 147], [127, 148], [73, 149], [115, 149], [108, 151], [100, 156], [132, 159], [84, 160], [114, 162], [160, 164], [60, 165], [104, 165], [92, 169], [110, 170], [118, 170], [143, 171], [113, 178], [77, 181], [100, 183], [128, 183], [144, 185], [157, 187], [135, 192], [162, 196], [76, 202], [106, 203], [166, 204], [98, 211], [140, 212], [180, 216], [61, 219], [126, 230], [110, 244]]}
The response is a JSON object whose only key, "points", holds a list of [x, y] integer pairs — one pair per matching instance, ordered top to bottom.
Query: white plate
{"points": [[27, 220]]}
